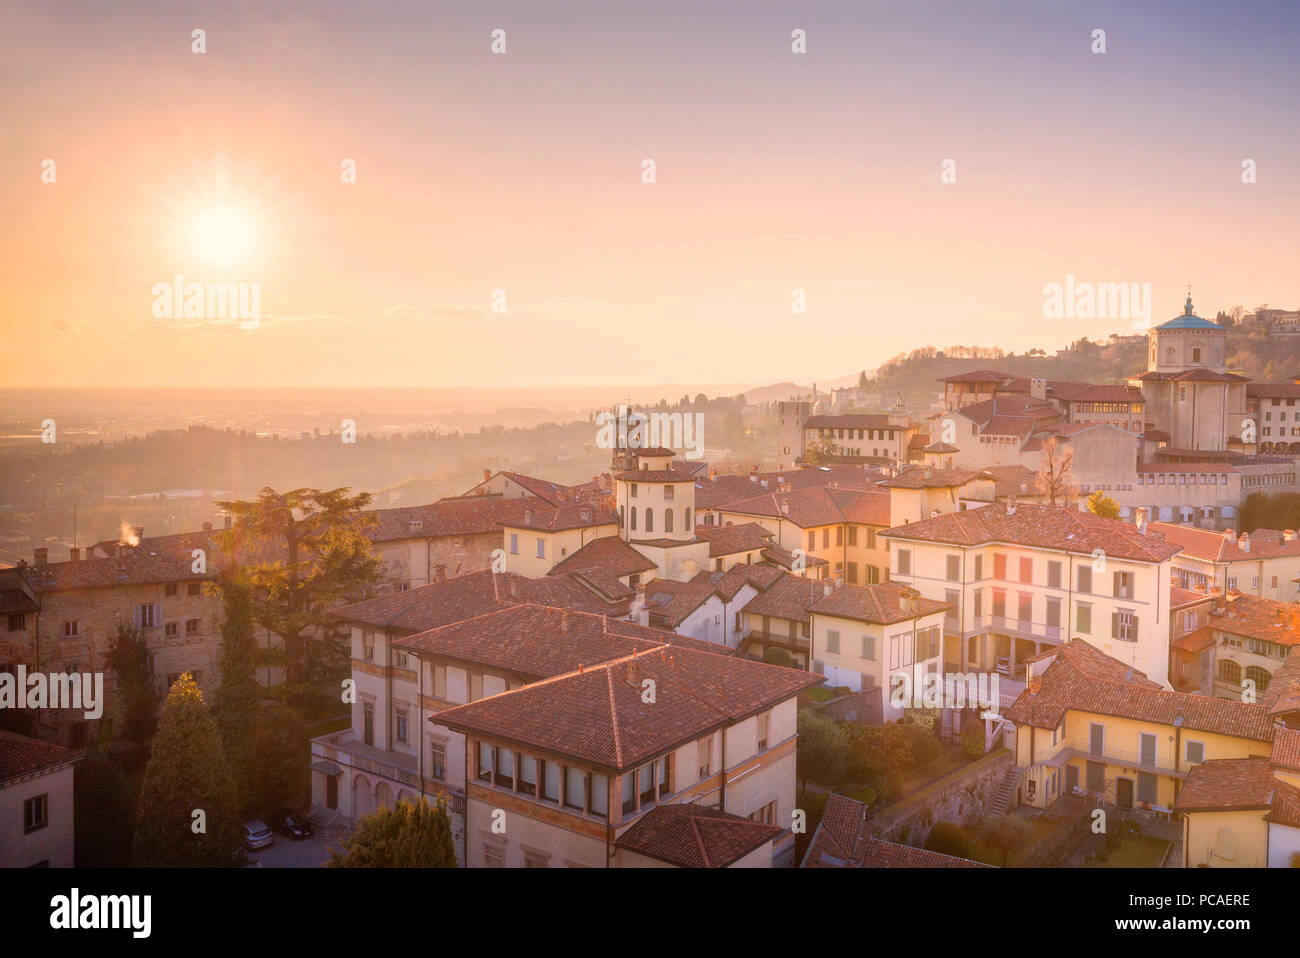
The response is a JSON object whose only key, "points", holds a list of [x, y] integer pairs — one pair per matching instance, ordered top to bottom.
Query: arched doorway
{"points": [[383, 796], [363, 799]]}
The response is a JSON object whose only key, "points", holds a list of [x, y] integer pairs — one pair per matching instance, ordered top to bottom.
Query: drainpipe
{"points": [[419, 717], [723, 735]]}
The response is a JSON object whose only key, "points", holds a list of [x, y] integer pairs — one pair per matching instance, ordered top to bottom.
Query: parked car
{"points": [[1004, 665], [290, 824], [257, 835]]}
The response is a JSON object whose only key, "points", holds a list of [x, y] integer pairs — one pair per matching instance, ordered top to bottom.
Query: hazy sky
{"points": [[523, 172]]}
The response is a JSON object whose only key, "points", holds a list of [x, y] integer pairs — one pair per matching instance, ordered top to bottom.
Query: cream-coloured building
{"points": [[1021, 577], [36, 803]]}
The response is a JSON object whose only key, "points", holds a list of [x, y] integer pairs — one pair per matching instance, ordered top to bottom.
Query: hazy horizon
{"points": [[522, 172]]}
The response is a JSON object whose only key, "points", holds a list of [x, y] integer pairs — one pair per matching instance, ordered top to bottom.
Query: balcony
{"points": [[1006, 625], [343, 748], [1124, 758]]}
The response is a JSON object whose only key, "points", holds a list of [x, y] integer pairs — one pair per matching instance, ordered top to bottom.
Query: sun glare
{"points": [[223, 235]]}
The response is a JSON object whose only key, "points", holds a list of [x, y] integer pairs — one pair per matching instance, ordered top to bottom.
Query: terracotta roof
{"points": [[1195, 375], [978, 376], [1273, 390], [1088, 392], [1011, 408], [855, 420], [654, 475], [922, 477], [1011, 481], [720, 490], [552, 492], [808, 508], [469, 515], [562, 518], [1039, 526], [733, 537], [1219, 547], [609, 553], [780, 556], [139, 568], [465, 596], [790, 597], [1181, 597], [671, 602], [881, 604], [1255, 617], [535, 641], [1195, 642], [1089, 662], [1065, 688], [1283, 693], [598, 716], [1286, 748], [20, 755], [1227, 783], [1285, 807], [692, 836], [841, 841]]}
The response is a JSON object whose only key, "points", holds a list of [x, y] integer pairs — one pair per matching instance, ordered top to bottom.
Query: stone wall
{"points": [[957, 797]]}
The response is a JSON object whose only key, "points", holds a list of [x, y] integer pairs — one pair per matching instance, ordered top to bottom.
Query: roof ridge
{"points": [[613, 717], [699, 839]]}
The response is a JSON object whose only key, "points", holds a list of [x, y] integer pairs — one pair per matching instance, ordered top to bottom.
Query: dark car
{"points": [[289, 823]]}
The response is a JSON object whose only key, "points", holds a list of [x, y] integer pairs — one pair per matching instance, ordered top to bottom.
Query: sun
{"points": [[223, 235]]}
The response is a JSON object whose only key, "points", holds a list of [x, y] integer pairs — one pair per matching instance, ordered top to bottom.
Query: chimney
{"points": [[1038, 388], [713, 473], [487, 474], [753, 477], [763, 483], [1011, 505], [785, 508], [528, 517], [207, 527], [139, 533], [1288, 535], [1243, 542], [74, 554], [42, 556], [439, 572], [839, 580], [514, 588], [827, 589], [564, 621], [1035, 683]]}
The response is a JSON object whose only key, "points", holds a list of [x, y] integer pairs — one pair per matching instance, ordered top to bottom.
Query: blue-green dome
{"points": [[1189, 320]]}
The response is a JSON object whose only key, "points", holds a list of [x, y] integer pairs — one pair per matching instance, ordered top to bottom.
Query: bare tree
{"points": [[1055, 479]]}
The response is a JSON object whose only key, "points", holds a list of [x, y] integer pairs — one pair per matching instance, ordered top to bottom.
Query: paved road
{"points": [[305, 853]]}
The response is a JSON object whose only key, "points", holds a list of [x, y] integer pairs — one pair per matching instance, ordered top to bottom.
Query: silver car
{"points": [[257, 834]]}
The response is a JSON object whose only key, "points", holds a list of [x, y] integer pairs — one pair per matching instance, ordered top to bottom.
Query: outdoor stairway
{"points": [[1006, 794]]}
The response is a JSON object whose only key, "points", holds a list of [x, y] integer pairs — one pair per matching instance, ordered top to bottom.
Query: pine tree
{"points": [[237, 699], [187, 773], [405, 836]]}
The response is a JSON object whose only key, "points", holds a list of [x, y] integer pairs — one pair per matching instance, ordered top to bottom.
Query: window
{"points": [[632, 489], [668, 491], [649, 519], [668, 519], [633, 526], [839, 535], [853, 535], [826, 538], [514, 539], [541, 548], [904, 561], [999, 565], [954, 568], [979, 568], [1026, 570], [1054, 574], [1085, 579], [1123, 585], [194, 588], [170, 589], [147, 615], [1083, 618], [17, 622], [192, 626], [1124, 626], [171, 629], [832, 640], [368, 646], [1230, 672], [1259, 676], [475, 687], [764, 722], [368, 723], [401, 725], [1195, 752], [706, 756], [438, 760], [36, 813], [766, 815], [494, 856], [536, 859]]}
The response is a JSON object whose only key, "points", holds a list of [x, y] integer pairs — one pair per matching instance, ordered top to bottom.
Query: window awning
{"points": [[329, 768]]}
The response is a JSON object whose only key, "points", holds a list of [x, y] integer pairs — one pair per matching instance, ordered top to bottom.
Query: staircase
{"points": [[1005, 798]]}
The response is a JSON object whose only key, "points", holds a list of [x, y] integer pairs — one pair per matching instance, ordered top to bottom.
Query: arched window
{"points": [[1169, 356], [620, 516], [649, 519], [668, 520], [633, 526], [687, 526], [1229, 672], [1259, 676]]}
